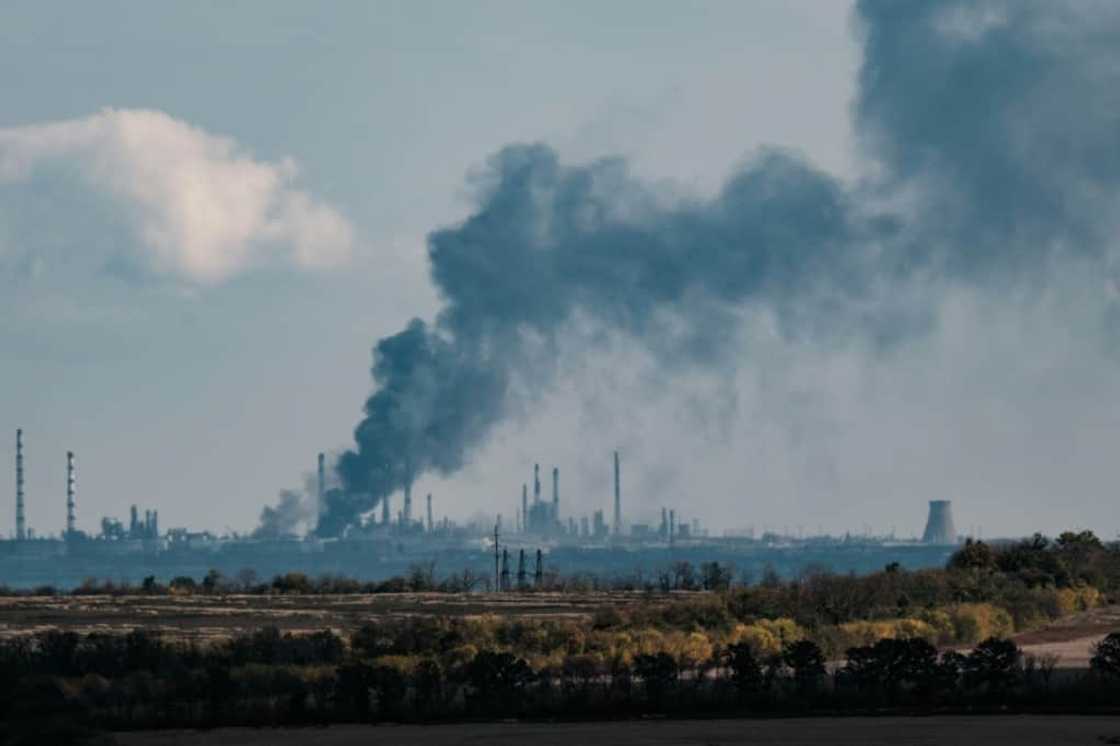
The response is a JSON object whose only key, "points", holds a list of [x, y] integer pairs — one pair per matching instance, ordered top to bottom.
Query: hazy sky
{"points": [[210, 212]]}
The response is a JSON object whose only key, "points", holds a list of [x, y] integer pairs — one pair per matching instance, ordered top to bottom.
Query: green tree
{"points": [[974, 555], [1106, 656], [807, 662], [994, 663], [746, 670], [658, 673], [353, 682]]}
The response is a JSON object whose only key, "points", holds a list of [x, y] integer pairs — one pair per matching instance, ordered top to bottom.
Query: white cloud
{"points": [[203, 209]]}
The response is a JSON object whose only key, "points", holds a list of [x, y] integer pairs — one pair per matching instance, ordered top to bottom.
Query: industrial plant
{"points": [[382, 542]]}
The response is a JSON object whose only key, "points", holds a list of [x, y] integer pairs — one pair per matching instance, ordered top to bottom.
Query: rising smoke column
{"points": [[994, 127]]}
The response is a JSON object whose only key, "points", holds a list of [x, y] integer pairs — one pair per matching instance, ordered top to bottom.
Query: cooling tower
{"points": [[939, 526]]}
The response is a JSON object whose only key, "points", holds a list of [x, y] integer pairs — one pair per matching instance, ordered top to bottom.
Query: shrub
{"points": [[975, 622], [761, 641], [1106, 656]]}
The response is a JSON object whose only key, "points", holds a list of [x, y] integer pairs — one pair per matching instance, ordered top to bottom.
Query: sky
{"points": [[210, 213]]}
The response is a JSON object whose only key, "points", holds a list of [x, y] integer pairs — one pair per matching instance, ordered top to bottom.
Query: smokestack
{"points": [[322, 481], [536, 483], [69, 493], [555, 493], [617, 496], [408, 503], [525, 508], [385, 511], [21, 524], [155, 524], [430, 525], [672, 525], [939, 525]]}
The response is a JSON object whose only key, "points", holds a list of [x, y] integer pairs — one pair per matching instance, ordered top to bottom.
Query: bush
{"points": [[975, 622], [1106, 656]]}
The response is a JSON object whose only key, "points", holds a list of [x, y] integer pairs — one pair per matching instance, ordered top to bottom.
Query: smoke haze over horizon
{"points": [[978, 206], [797, 284]]}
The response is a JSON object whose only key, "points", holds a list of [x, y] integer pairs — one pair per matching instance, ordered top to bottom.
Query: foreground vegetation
{"points": [[821, 643]]}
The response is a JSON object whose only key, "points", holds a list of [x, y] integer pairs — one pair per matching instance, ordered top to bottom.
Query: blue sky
{"points": [[197, 351]]}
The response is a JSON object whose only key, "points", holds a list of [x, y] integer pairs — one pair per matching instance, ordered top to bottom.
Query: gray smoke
{"points": [[993, 130], [295, 510], [286, 517]]}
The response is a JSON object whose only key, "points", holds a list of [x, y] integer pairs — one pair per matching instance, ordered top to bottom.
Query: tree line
{"points": [[64, 687]]}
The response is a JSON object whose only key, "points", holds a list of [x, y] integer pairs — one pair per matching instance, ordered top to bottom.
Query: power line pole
{"points": [[497, 561]]}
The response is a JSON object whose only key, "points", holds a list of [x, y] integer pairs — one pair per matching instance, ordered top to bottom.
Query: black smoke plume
{"points": [[994, 129]]}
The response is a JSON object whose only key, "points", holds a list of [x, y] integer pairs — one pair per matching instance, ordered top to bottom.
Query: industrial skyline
{"points": [[793, 274], [541, 518]]}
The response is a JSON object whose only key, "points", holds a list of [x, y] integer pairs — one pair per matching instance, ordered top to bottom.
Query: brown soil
{"points": [[1071, 639], [927, 731]]}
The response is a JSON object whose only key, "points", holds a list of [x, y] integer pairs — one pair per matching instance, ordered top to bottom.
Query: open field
{"points": [[202, 617], [209, 617], [1071, 639], [857, 731]]}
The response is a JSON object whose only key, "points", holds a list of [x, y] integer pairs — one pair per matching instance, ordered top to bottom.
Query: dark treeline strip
{"points": [[63, 686]]}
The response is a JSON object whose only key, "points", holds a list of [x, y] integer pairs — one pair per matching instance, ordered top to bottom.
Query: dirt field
{"points": [[209, 617], [1071, 639], [939, 731]]}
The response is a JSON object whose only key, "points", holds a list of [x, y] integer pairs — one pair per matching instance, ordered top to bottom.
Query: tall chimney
{"points": [[322, 481], [536, 483], [555, 493], [69, 494], [617, 496], [408, 502], [525, 508], [385, 510], [21, 524], [672, 525], [939, 525], [430, 526]]}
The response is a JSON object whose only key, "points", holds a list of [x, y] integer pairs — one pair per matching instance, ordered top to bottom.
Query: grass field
{"points": [[202, 617], [854, 731]]}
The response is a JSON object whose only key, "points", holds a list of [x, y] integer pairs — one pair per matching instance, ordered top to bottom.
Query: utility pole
{"points": [[497, 561]]}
